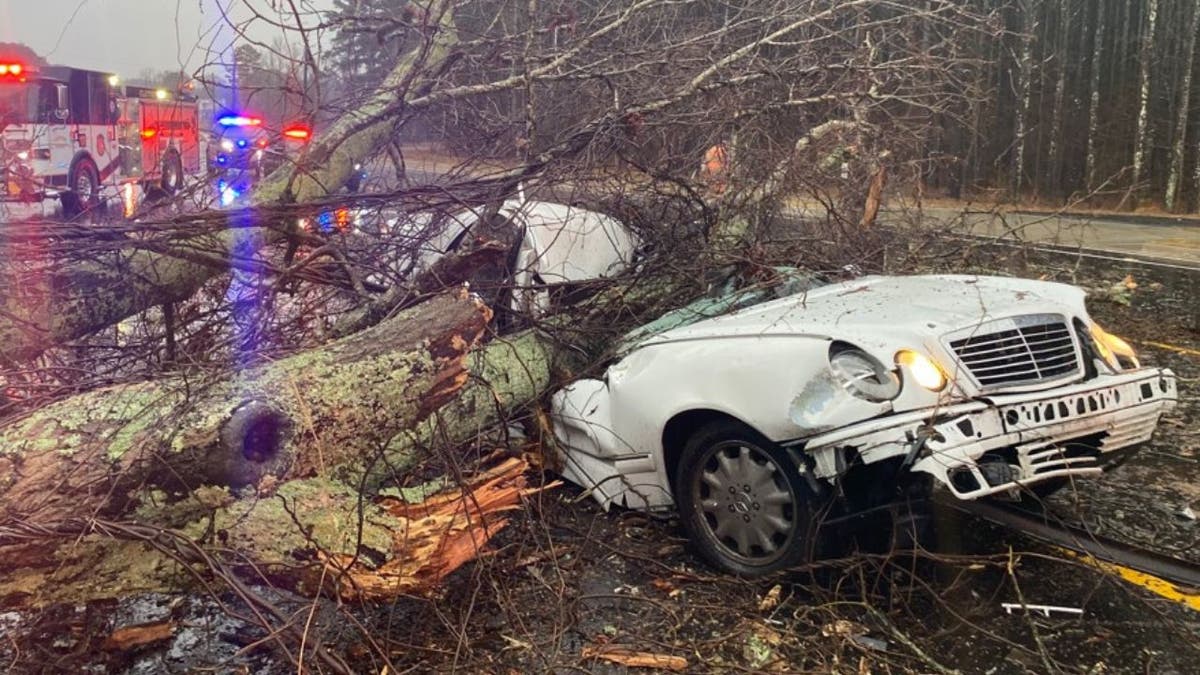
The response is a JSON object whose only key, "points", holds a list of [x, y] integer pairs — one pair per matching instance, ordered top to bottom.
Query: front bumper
{"points": [[1008, 442]]}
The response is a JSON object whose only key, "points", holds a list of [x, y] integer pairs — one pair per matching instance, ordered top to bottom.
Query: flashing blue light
{"points": [[239, 121], [241, 143], [221, 159], [227, 193], [325, 222]]}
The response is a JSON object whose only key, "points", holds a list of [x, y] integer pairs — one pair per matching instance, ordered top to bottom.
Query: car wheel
{"points": [[83, 179], [743, 502]]}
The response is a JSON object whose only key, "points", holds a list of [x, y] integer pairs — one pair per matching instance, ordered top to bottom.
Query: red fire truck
{"points": [[81, 139]]}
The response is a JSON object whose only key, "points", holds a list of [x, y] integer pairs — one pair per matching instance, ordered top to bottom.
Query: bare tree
{"points": [[1062, 56], [1024, 95], [615, 104], [1093, 123], [1142, 135], [1179, 146]]}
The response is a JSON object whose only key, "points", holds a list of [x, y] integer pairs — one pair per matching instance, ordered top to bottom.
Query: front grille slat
{"points": [[1049, 340], [1040, 348]]}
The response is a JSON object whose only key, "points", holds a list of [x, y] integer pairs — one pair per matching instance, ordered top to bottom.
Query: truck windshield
{"points": [[18, 103]]}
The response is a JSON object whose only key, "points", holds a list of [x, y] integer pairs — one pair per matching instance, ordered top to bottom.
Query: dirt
{"points": [[567, 576]]}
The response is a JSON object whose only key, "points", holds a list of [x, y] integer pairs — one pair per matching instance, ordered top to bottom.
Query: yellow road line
{"points": [[1170, 348], [1155, 585]]}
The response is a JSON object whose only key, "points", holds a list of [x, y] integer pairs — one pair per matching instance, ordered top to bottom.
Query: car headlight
{"points": [[227, 145], [1115, 351], [924, 370], [863, 375]]}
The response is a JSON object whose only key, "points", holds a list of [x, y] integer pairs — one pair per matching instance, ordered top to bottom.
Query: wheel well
{"points": [[82, 155], [680, 427]]}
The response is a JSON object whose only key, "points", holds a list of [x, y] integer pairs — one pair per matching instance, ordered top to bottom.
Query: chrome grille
{"points": [[1029, 349]]}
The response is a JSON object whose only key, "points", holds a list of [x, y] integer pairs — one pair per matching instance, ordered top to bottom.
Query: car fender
{"points": [[781, 386]]}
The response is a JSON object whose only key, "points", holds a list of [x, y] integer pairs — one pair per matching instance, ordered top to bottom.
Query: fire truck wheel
{"points": [[172, 172], [84, 182]]}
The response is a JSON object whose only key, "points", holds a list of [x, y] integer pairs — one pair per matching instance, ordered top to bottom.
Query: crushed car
{"points": [[557, 245], [752, 414]]}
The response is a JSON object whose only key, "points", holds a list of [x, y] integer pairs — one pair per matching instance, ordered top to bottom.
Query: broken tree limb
{"points": [[452, 269]]}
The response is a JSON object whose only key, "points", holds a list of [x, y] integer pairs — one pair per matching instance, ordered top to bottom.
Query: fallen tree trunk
{"points": [[277, 463]]}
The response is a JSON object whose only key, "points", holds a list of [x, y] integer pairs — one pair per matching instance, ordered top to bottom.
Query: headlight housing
{"points": [[227, 145], [1115, 351], [924, 370], [862, 374]]}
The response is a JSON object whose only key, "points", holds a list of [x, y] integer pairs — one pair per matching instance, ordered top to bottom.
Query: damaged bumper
{"points": [[1009, 442]]}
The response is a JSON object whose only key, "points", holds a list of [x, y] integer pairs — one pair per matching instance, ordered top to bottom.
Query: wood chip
{"points": [[771, 599], [129, 637], [633, 659]]}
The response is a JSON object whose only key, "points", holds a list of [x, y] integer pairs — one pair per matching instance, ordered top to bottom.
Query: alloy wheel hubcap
{"points": [[747, 505]]}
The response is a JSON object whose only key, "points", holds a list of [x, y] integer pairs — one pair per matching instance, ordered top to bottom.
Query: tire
{"points": [[172, 173], [83, 181], [749, 514]]}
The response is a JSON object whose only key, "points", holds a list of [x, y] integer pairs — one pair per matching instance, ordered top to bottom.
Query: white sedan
{"points": [[751, 422]]}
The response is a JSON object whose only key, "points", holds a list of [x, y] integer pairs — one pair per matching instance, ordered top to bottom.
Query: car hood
{"points": [[877, 309]]}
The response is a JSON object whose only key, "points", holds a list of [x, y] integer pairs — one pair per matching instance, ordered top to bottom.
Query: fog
{"points": [[128, 36]]}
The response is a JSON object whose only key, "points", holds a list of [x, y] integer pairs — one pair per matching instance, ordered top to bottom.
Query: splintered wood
{"points": [[438, 535]]}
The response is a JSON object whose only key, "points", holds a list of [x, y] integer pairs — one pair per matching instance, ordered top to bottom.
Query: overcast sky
{"points": [[126, 36]]}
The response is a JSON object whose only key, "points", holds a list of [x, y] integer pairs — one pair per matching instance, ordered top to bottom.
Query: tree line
{"points": [[1082, 98], [1060, 100]]}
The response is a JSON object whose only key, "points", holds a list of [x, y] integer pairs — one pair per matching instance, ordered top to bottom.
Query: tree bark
{"points": [[1025, 86], [1060, 87], [1093, 133], [1141, 136], [1179, 146], [319, 431]]}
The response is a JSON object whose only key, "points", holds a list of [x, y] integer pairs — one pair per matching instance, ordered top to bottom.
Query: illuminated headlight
{"points": [[227, 145], [23, 155], [1115, 351], [924, 370], [863, 375]]}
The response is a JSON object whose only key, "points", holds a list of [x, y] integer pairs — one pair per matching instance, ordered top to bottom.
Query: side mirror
{"points": [[63, 111]]}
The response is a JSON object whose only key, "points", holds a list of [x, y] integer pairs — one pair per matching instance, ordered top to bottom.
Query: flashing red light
{"points": [[13, 69], [149, 132], [298, 132], [262, 143]]}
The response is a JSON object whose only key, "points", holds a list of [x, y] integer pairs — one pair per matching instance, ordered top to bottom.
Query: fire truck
{"points": [[81, 139]]}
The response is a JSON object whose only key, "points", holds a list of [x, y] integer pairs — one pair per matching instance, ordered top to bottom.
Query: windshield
{"points": [[18, 104], [734, 295]]}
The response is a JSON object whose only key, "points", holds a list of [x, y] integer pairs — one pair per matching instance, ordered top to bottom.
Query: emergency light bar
{"points": [[13, 70], [239, 121]]}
